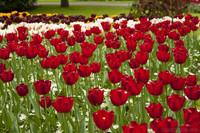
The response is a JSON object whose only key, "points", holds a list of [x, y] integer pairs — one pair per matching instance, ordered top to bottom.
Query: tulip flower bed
{"points": [[107, 76]]}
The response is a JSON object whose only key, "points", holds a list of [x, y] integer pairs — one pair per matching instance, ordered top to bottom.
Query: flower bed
{"points": [[106, 76]]}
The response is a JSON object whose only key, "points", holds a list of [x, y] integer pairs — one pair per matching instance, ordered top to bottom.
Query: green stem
{"points": [[32, 70], [45, 105], [195, 106], [133, 113], [119, 118], [65, 124]]}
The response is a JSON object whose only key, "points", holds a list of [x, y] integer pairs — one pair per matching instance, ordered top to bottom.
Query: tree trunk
{"points": [[64, 3]]}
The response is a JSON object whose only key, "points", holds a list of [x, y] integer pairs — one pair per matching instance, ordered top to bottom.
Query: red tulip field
{"points": [[99, 75]]}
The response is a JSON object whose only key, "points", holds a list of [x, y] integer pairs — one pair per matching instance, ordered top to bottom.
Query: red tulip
{"points": [[195, 20], [116, 25], [106, 26], [77, 27], [21, 29], [95, 30], [184, 31], [88, 32], [49, 34], [64, 35], [174, 35], [22, 36], [110, 36], [11, 37], [80, 37], [1, 38], [160, 38], [37, 39], [98, 39], [55, 41], [71, 41], [108, 43], [179, 43], [115, 44], [131, 44], [12, 46], [61, 47], [146, 47], [163, 47], [21, 51], [31, 52], [87, 52], [4, 53], [43, 53], [180, 54], [163, 56], [74, 57], [141, 57], [63, 58], [83, 60], [53, 61], [114, 62], [133, 63], [44, 64], [2, 67], [70, 67], [95, 67], [84, 70], [141, 75], [7, 76], [114, 76], [70, 77], [165, 77], [125, 80], [191, 80], [177, 83], [42, 87], [133, 88], [155, 88], [22, 90], [193, 92], [95, 96], [118, 96], [42, 102], [175, 102], [63, 104], [155, 110], [191, 115], [103, 119], [155, 125], [166, 125], [192, 127], [135, 128]]}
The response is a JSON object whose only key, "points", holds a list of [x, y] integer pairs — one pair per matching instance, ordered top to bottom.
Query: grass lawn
{"points": [[110, 1], [80, 10], [84, 10], [195, 14]]}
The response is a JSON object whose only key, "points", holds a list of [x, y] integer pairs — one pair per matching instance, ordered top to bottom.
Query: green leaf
{"points": [[35, 106], [7, 119], [34, 123], [83, 126]]}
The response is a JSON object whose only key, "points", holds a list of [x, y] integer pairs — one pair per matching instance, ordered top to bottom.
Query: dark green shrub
{"points": [[15, 5]]}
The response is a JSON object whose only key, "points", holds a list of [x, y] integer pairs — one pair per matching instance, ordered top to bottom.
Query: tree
{"points": [[64, 3], [162, 7]]}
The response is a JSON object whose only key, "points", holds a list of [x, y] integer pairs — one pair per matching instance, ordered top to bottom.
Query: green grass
{"points": [[110, 1], [80, 10], [84, 10], [195, 14]]}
